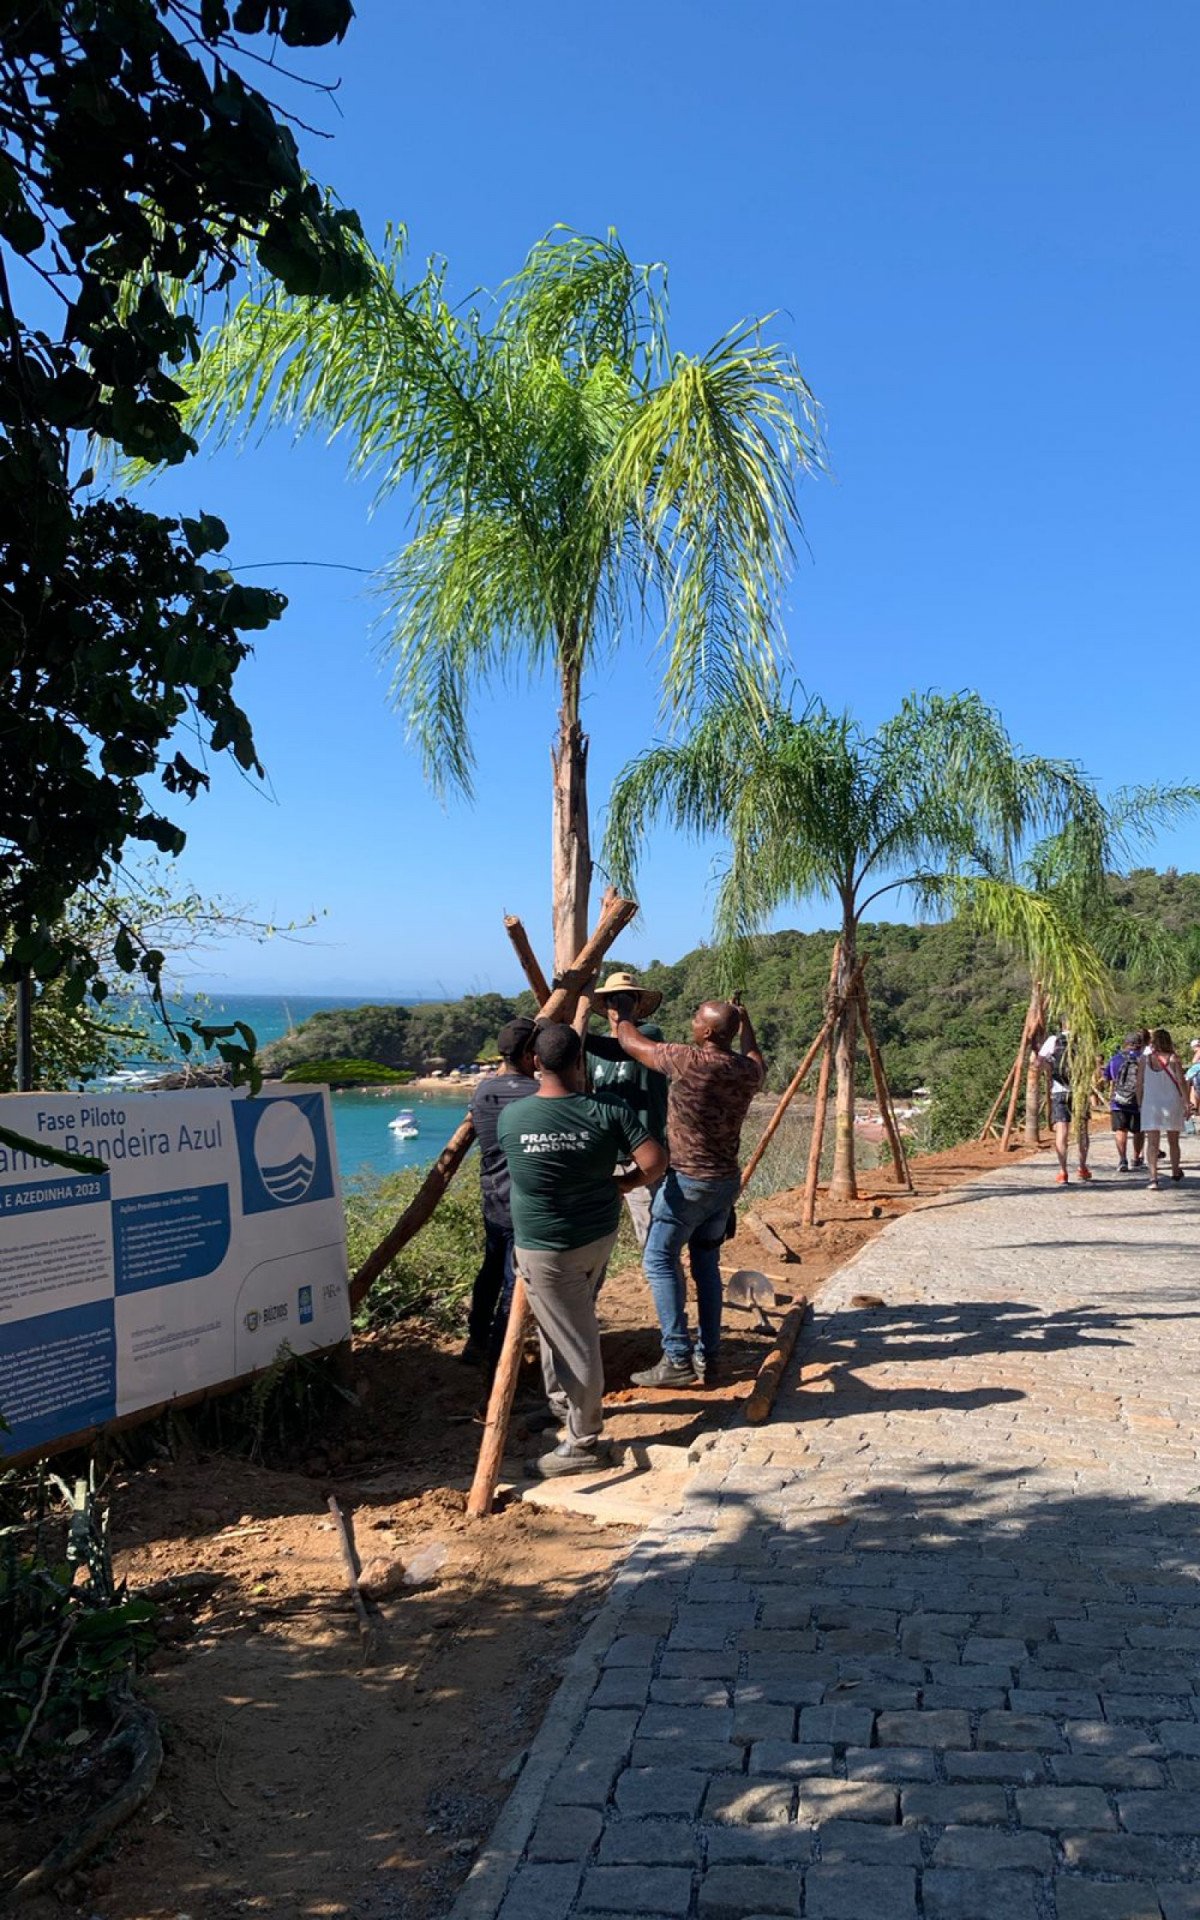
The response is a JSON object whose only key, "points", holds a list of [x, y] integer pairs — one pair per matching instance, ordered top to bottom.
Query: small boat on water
{"points": [[404, 1126]]}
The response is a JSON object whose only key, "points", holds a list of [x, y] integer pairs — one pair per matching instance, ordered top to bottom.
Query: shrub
{"points": [[347, 1073], [433, 1273]]}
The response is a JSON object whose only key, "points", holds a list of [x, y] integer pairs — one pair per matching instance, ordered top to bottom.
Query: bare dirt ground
{"points": [[299, 1782]]}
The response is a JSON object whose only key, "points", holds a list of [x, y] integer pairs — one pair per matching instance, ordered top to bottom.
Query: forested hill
{"points": [[947, 1003]]}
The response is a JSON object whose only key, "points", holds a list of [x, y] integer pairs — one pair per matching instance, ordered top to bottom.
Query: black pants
{"points": [[491, 1294]]}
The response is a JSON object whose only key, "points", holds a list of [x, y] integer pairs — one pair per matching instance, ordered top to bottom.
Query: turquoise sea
{"points": [[360, 1120]]}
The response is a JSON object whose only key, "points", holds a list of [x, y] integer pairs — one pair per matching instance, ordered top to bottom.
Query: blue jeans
{"points": [[689, 1213]]}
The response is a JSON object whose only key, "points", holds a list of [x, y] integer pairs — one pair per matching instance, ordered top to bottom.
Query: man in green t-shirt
{"points": [[610, 1070], [563, 1148]]}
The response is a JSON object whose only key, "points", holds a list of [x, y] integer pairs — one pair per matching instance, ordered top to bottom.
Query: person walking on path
{"points": [[1052, 1059], [610, 1070], [1122, 1073], [1192, 1076], [711, 1088], [1162, 1097], [563, 1147], [492, 1289]]}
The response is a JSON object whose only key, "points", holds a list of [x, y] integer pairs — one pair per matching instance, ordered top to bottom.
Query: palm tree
{"points": [[571, 478], [938, 800]]}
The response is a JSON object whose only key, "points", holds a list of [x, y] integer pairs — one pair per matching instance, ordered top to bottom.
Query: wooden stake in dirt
{"points": [[614, 918], [515, 930], [1019, 1062], [883, 1094], [785, 1100], [820, 1107], [989, 1125], [417, 1212], [767, 1237], [766, 1386], [499, 1408], [366, 1631]]}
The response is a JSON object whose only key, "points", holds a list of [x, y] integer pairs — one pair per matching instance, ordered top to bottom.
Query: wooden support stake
{"points": [[615, 916], [515, 930], [579, 974], [1021, 1060], [883, 1094], [785, 1100], [997, 1103], [820, 1105], [417, 1212], [767, 1237], [762, 1394], [499, 1408], [366, 1631]]}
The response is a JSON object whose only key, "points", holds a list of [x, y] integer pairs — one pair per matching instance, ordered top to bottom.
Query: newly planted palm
{"points": [[574, 482], [937, 801]]}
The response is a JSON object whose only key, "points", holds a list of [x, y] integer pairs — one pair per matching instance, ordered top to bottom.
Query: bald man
{"points": [[711, 1088]]}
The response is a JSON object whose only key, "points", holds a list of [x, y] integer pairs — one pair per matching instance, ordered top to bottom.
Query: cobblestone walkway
{"points": [[929, 1644]]}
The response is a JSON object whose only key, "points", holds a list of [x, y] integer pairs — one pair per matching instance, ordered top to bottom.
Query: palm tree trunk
{"points": [[571, 865], [1036, 1033], [842, 1183]]}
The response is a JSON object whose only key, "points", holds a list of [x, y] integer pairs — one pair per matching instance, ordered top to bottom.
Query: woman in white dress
{"points": [[1162, 1097]]}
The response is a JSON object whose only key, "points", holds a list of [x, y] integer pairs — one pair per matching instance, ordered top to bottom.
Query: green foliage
{"points": [[132, 154], [450, 1032], [346, 1073], [434, 1272], [65, 1642]]}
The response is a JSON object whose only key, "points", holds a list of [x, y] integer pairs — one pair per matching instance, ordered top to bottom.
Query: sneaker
{"points": [[1139, 1164], [1122, 1166], [1085, 1173], [1060, 1179], [473, 1355], [708, 1372], [667, 1373], [568, 1458]]}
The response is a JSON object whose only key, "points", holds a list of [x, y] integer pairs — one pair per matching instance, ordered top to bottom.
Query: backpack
{"points": [[1058, 1061], [1124, 1086]]}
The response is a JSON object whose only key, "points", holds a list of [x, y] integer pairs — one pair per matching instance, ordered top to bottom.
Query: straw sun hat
{"points": [[621, 982]]}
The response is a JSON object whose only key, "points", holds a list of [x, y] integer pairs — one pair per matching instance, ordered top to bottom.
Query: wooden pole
{"points": [[615, 917], [515, 930], [572, 981], [883, 1094], [998, 1102], [1011, 1115], [808, 1210], [417, 1212], [766, 1386], [499, 1407]]}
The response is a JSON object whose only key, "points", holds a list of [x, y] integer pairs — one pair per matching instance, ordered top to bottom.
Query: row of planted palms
{"points": [[576, 482]]}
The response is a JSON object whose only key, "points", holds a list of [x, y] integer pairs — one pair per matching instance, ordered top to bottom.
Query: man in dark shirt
{"points": [[610, 1070], [711, 1088], [564, 1146], [492, 1290]]}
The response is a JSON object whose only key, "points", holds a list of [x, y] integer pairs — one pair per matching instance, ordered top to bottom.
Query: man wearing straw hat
{"points": [[611, 1070]]}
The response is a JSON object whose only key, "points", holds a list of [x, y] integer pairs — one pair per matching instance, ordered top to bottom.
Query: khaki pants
{"points": [[562, 1288]]}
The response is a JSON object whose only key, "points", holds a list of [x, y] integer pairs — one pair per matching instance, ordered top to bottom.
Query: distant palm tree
{"points": [[572, 479], [938, 800]]}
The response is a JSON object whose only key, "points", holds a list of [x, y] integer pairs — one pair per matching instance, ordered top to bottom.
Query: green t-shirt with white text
{"points": [[562, 1155]]}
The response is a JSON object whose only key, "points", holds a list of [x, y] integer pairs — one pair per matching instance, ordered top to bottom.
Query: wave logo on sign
{"points": [[285, 1151]]}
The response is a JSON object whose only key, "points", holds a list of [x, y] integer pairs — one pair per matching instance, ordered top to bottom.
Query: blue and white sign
{"points": [[215, 1236]]}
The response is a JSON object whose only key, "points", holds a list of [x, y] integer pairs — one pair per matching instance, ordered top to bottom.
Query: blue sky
{"points": [[978, 226]]}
